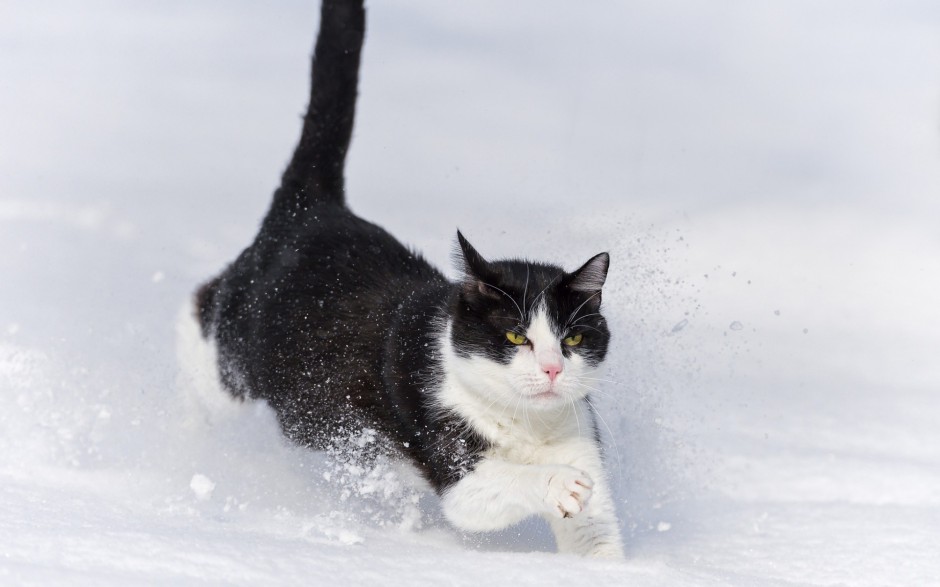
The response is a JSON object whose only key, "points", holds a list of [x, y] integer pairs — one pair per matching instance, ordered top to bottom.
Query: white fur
{"points": [[198, 382], [543, 458]]}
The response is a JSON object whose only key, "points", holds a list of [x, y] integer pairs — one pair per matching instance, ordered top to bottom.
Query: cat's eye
{"points": [[515, 337], [574, 340]]}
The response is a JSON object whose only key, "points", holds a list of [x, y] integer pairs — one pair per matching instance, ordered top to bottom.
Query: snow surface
{"points": [[765, 176]]}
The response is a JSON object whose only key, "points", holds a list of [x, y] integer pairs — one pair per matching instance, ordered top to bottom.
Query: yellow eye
{"points": [[515, 338], [574, 340]]}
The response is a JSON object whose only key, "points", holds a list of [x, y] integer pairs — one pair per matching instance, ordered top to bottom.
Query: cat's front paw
{"points": [[569, 490]]}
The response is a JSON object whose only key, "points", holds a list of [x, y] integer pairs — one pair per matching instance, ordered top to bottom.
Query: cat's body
{"points": [[480, 384]]}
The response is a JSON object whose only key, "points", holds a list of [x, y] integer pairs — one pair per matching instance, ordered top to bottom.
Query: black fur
{"points": [[503, 295], [336, 324]]}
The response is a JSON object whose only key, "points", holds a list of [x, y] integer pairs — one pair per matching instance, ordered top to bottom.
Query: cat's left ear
{"points": [[590, 277]]}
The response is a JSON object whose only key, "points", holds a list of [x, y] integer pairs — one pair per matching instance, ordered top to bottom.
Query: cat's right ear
{"points": [[474, 265], [476, 270], [590, 277]]}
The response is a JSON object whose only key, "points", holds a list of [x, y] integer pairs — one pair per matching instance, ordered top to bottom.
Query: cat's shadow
{"points": [[530, 535]]}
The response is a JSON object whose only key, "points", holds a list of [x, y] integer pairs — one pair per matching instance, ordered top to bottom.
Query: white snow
{"points": [[764, 176], [202, 487]]}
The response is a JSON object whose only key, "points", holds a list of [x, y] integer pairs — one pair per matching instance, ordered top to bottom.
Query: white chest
{"points": [[517, 433]]}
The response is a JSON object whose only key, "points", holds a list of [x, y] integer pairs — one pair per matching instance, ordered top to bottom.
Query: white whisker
{"points": [[525, 292], [536, 298], [521, 315], [571, 317], [583, 317], [592, 379], [594, 389], [574, 408], [613, 440]]}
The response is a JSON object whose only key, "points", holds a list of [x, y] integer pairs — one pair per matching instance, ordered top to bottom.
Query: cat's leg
{"points": [[202, 394], [499, 493], [578, 505], [596, 531]]}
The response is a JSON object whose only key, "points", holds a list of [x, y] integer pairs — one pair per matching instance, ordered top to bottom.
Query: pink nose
{"points": [[552, 371]]}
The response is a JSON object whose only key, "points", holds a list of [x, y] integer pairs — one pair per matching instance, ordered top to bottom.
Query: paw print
{"points": [[568, 492]]}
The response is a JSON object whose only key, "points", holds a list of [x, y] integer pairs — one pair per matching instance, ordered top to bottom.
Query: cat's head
{"points": [[531, 332]]}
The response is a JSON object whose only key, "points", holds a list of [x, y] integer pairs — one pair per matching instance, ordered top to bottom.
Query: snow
{"points": [[763, 175], [202, 487]]}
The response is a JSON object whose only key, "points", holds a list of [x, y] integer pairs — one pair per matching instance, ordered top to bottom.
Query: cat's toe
{"points": [[568, 492]]}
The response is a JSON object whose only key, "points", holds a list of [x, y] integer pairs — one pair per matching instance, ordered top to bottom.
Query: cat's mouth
{"points": [[546, 395]]}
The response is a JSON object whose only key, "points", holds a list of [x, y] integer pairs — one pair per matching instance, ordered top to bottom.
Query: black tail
{"points": [[315, 173]]}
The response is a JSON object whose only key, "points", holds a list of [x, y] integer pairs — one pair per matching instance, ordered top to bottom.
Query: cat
{"points": [[481, 384]]}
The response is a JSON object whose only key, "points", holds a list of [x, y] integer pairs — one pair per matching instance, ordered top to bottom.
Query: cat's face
{"points": [[528, 332]]}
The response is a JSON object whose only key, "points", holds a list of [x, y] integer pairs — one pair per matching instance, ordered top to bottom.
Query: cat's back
{"points": [[334, 257], [329, 265], [315, 299]]}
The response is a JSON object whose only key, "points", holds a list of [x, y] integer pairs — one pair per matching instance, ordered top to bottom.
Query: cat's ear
{"points": [[474, 265], [477, 271], [591, 276]]}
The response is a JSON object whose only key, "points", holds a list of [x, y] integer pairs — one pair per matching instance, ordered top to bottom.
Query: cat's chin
{"points": [[546, 395], [547, 399]]}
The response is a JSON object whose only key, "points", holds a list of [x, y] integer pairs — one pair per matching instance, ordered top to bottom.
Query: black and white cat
{"points": [[480, 384]]}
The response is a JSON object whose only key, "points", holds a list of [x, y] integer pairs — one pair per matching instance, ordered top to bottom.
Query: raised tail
{"points": [[314, 176]]}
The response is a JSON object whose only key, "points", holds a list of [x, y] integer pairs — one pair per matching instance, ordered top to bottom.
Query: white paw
{"points": [[568, 491]]}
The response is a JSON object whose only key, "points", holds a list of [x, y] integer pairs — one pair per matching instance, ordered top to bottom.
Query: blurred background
{"points": [[764, 174]]}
